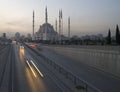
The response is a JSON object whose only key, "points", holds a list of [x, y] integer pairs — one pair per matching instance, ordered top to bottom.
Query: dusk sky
{"points": [[87, 16]]}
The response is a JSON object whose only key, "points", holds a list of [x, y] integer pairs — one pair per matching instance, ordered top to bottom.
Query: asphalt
{"points": [[18, 73], [103, 81]]}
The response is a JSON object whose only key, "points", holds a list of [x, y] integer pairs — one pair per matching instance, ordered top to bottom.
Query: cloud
{"points": [[10, 23], [18, 23]]}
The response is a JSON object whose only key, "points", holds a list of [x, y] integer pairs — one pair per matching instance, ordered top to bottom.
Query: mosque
{"points": [[46, 31]]}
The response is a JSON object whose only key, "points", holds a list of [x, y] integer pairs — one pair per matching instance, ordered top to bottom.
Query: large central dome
{"points": [[46, 27], [46, 31]]}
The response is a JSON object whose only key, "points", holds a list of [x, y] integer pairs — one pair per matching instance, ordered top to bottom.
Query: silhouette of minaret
{"points": [[46, 15], [46, 21], [33, 24], [56, 25], [59, 25], [69, 28], [56, 29]]}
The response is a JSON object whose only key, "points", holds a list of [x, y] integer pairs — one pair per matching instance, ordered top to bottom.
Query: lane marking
{"points": [[37, 69]]}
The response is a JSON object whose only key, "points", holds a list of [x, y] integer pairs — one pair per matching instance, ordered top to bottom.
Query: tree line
{"points": [[117, 36]]}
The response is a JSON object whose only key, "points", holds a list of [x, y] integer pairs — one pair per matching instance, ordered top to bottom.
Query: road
{"points": [[6, 69], [22, 71], [99, 79]]}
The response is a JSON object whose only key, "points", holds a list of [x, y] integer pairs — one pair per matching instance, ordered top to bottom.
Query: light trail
{"points": [[22, 50], [31, 69], [37, 69]]}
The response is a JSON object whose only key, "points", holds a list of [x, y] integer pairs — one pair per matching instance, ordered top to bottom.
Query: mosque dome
{"points": [[46, 27], [46, 30]]}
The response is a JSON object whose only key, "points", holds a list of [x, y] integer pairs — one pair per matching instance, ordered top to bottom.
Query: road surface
{"points": [[24, 70], [21, 71]]}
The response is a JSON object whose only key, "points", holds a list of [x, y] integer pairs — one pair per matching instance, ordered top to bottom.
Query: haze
{"points": [[87, 16]]}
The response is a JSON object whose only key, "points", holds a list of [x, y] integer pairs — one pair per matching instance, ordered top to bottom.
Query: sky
{"points": [[87, 16]]}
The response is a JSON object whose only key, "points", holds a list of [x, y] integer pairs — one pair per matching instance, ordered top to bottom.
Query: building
{"points": [[46, 31], [4, 35], [17, 36], [29, 36]]}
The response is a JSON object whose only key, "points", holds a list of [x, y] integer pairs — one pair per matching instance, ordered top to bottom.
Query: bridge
{"points": [[26, 67]]}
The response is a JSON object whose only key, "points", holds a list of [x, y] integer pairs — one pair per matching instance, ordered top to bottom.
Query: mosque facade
{"points": [[46, 31]]}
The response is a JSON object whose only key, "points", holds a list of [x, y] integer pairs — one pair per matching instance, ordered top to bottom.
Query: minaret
{"points": [[46, 16], [46, 21], [33, 24], [56, 25], [59, 25], [69, 28], [56, 29]]}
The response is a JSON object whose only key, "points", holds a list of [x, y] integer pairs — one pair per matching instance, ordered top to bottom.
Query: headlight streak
{"points": [[22, 50], [31, 69], [37, 69]]}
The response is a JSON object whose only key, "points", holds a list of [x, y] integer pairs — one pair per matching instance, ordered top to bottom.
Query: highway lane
{"points": [[2, 47], [3, 60], [6, 69], [19, 74], [15, 76], [50, 77], [28, 78], [101, 80], [26, 82]]}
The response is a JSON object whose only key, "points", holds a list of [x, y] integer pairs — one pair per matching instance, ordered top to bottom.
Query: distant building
{"points": [[46, 31], [4, 35], [17, 36], [29, 36], [100, 36], [93, 37], [22, 38]]}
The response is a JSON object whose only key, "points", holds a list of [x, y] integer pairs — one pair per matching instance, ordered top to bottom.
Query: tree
{"points": [[117, 35], [109, 37]]}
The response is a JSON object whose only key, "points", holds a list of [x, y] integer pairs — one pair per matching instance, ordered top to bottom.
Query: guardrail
{"points": [[77, 81]]}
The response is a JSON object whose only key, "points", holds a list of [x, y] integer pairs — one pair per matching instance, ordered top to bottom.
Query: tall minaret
{"points": [[46, 16], [46, 21], [33, 24], [56, 25], [59, 25], [69, 28], [56, 29]]}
